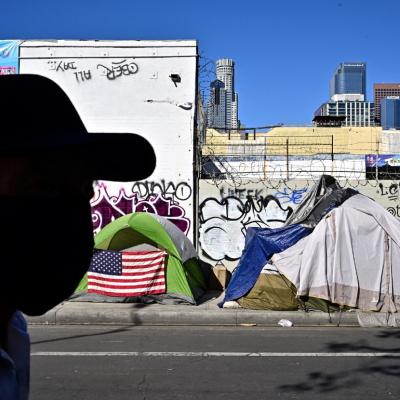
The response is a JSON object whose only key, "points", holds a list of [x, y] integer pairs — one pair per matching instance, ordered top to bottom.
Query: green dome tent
{"points": [[148, 232]]}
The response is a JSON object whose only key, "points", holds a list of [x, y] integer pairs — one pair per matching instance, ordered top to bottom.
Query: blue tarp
{"points": [[260, 245]]}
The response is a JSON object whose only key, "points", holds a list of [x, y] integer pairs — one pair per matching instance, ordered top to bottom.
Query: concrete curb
{"points": [[139, 314], [49, 317]]}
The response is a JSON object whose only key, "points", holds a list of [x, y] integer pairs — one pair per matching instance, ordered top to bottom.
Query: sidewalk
{"points": [[206, 313]]}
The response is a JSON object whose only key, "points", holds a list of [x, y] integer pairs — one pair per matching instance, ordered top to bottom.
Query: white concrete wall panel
{"points": [[124, 87]]}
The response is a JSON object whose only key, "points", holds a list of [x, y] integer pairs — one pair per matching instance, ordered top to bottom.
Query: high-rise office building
{"points": [[226, 73], [349, 78], [382, 90], [348, 95], [219, 105], [222, 107], [390, 112], [357, 113]]}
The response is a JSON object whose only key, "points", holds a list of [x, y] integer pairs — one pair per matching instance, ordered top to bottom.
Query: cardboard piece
{"points": [[218, 278]]}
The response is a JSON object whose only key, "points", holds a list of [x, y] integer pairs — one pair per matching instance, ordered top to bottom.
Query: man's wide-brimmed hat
{"points": [[37, 116], [46, 243]]}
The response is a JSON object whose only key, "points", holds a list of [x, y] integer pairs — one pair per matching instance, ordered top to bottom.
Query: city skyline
{"points": [[285, 58], [348, 84]]}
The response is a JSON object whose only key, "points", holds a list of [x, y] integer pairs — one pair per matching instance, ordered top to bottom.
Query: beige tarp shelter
{"points": [[351, 258], [273, 291]]}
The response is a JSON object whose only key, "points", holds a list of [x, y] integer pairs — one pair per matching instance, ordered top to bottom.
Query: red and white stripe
{"points": [[142, 273]]}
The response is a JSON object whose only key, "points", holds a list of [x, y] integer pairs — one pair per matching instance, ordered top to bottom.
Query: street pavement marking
{"points": [[208, 354]]}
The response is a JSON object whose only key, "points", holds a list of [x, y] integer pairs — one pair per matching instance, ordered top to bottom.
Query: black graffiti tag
{"points": [[64, 66], [119, 69], [83, 74], [182, 191], [242, 193], [392, 193], [251, 205], [395, 211], [236, 214]]}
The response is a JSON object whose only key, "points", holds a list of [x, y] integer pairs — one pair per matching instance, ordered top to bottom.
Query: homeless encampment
{"points": [[141, 233], [338, 249]]}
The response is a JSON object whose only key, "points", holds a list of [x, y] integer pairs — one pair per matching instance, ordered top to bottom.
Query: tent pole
{"points": [[332, 155], [265, 156], [287, 158], [376, 162], [340, 315]]}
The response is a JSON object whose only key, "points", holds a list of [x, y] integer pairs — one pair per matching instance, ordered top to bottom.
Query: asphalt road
{"points": [[221, 374]]}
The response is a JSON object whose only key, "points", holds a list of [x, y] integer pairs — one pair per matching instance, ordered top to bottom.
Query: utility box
{"points": [[218, 278]]}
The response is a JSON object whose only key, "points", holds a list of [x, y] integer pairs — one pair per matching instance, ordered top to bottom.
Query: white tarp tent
{"points": [[351, 258]]}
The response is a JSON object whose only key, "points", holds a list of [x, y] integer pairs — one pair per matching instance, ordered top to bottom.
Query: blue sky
{"points": [[285, 50]]}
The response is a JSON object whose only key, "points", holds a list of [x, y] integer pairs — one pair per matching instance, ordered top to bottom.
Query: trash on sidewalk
{"points": [[219, 278], [231, 304], [285, 322]]}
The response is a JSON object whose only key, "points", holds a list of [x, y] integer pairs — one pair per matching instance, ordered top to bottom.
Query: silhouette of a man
{"points": [[48, 163]]}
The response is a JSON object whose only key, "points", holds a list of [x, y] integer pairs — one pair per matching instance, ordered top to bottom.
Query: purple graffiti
{"points": [[164, 207], [106, 208]]}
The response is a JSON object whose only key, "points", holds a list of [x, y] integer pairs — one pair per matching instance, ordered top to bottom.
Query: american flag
{"points": [[127, 274]]}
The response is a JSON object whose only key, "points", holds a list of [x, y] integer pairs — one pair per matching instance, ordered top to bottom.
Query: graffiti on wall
{"points": [[61, 65], [118, 69], [115, 70], [83, 75], [182, 191], [391, 194], [285, 196], [295, 197], [106, 208], [227, 211], [223, 224]]}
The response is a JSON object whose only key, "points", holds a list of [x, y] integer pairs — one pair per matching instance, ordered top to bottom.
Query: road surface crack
{"points": [[141, 341], [145, 388]]}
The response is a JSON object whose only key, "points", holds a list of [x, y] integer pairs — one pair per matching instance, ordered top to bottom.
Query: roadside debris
{"points": [[231, 304], [285, 322]]}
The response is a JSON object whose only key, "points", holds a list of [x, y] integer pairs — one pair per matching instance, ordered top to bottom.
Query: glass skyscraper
{"points": [[349, 78], [382, 90], [219, 105], [222, 107], [390, 112]]}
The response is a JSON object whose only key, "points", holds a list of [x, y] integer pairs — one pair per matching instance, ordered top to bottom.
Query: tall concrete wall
{"points": [[125, 86], [301, 141], [226, 211]]}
